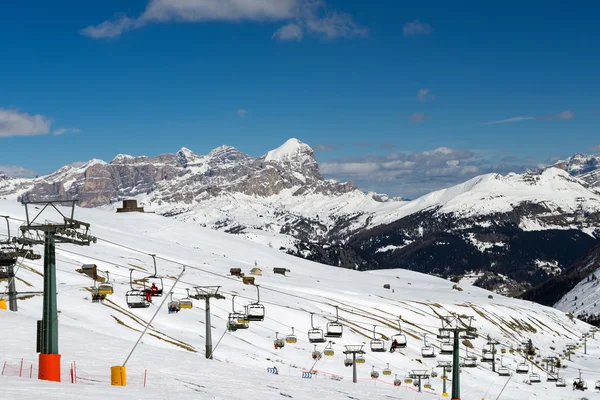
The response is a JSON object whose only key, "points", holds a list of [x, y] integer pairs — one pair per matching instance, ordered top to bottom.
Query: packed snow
{"points": [[96, 336]]}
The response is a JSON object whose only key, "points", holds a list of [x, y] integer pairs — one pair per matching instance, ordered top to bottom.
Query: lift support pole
{"points": [[48, 233], [12, 291], [207, 293]]}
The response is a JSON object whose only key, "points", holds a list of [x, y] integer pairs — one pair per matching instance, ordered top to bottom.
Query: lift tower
{"points": [[38, 230], [207, 293], [460, 326]]}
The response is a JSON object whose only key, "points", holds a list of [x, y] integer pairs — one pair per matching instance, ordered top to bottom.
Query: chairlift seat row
{"points": [[136, 299]]}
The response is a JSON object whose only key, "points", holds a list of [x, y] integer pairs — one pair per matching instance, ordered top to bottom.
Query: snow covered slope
{"points": [[97, 336]]}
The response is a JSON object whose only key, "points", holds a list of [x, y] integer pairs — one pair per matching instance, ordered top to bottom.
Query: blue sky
{"points": [[374, 87]]}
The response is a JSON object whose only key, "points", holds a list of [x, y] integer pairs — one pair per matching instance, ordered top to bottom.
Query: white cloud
{"points": [[301, 15], [416, 27], [289, 32], [423, 95], [242, 112], [565, 114], [418, 117], [512, 119], [16, 123], [62, 131], [327, 146], [595, 148], [349, 168], [16, 172]]}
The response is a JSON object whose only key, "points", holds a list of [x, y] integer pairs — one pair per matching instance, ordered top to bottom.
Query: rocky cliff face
{"points": [[185, 177]]}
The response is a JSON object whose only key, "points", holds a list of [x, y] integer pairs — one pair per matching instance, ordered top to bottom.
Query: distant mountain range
{"points": [[512, 231]]}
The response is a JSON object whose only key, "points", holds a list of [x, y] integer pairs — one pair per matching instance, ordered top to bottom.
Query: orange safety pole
{"points": [[74, 371], [71, 372]]}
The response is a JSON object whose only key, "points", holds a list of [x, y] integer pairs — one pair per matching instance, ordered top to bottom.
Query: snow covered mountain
{"points": [[585, 167], [513, 231], [98, 335]]}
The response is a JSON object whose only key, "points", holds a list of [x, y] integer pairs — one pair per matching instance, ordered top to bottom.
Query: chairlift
{"points": [[155, 280], [106, 287], [97, 297], [135, 298], [186, 302], [174, 305], [255, 312], [236, 320], [335, 328], [315, 334], [443, 335], [291, 339], [398, 340], [278, 343], [377, 345], [446, 348], [503, 350], [427, 351], [328, 352], [316, 355], [487, 355], [360, 359], [470, 361], [348, 362], [522, 368], [387, 371], [503, 371], [374, 374], [551, 377], [534, 378], [408, 381], [397, 382], [560, 382], [427, 384], [579, 384], [597, 386]]}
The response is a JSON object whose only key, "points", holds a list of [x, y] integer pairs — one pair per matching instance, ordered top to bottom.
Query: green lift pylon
{"points": [[49, 233], [457, 325]]}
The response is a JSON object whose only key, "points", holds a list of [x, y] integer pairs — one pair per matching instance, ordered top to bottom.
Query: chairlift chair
{"points": [[155, 279], [106, 287], [136, 299], [186, 302], [174, 305], [256, 311], [236, 320], [335, 328], [315, 334], [291, 339], [398, 340], [278, 343], [377, 345], [446, 348], [503, 350], [427, 351], [328, 352], [316, 355], [487, 355], [360, 359], [470, 361], [348, 362], [522, 368], [387, 371], [503, 371], [374, 374], [551, 377], [534, 378], [408, 381], [397, 382], [560, 382], [427, 384], [597, 386]]}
